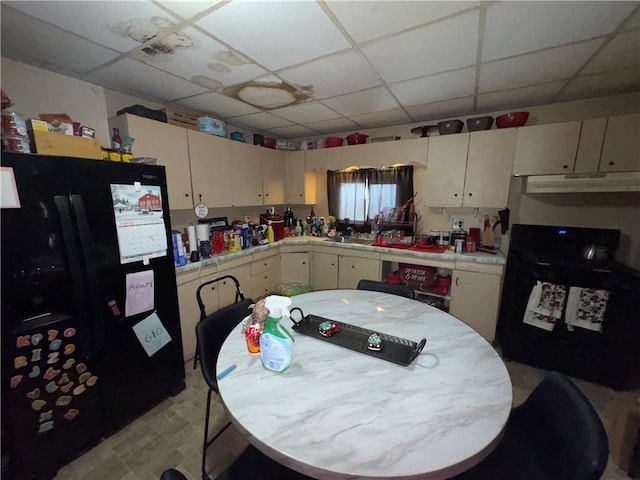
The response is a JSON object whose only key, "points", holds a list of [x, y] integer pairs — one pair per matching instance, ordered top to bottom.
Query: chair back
{"points": [[394, 289], [239, 296], [211, 333], [570, 440]]}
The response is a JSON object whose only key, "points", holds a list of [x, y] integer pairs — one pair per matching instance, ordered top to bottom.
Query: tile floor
{"points": [[170, 435]]}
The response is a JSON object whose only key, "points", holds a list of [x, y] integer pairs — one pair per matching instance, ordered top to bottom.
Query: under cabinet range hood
{"points": [[584, 182]]}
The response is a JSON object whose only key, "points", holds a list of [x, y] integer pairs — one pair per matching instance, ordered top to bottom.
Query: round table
{"points": [[340, 414]]}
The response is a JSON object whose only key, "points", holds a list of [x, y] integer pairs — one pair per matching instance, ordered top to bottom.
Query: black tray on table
{"points": [[394, 349]]}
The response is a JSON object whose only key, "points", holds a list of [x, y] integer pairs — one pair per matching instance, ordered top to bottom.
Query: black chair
{"points": [[394, 289], [239, 296], [211, 333], [556, 434], [172, 474]]}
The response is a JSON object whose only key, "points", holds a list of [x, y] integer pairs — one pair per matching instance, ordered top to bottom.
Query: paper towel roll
{"points": [[202, 232], [191, 235]]}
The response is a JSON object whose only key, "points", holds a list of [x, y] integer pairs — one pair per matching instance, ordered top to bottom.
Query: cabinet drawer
{"points": [[263, 265]]}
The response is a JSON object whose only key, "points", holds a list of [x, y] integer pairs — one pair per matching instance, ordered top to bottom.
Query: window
{"points": [[357, 196]]}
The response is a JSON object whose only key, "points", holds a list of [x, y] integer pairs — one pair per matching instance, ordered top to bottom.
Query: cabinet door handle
{"points": [[612, 163], [565, 166], [266, 194], [455, 194], [470, 194], [186, 195], [259, 195], [200, 197], [304, 263], [457, 278]]}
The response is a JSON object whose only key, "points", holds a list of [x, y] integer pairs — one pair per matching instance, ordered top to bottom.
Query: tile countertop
{"points": [[478, 257]]}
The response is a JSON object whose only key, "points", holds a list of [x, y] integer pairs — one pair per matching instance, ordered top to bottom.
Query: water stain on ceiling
{"points": [[143, 30], [206, 82], [269, 94]]}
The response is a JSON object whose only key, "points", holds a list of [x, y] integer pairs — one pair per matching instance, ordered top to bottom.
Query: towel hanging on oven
{"points": [[545, 305], [586, 307]]}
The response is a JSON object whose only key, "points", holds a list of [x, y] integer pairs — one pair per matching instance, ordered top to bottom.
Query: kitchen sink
{"points": [[352, 240]]}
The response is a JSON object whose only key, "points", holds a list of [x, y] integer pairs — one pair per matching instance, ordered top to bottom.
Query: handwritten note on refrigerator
{"points": [[140, 297], [151, 334]]}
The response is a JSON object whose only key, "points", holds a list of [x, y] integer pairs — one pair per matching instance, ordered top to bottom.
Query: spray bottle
{"points": [[276, 342]]}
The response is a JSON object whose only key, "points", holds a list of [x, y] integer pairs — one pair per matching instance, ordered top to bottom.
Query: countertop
{"points": [[448, 256]]}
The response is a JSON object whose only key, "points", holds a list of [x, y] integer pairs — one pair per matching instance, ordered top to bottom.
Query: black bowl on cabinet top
{"points": [[479, 123], [450, 126]]}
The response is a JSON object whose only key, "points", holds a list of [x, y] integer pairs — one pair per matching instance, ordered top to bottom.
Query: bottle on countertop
{"points": [[289, 218], [298, 228], [270, 234], [276, 342]]}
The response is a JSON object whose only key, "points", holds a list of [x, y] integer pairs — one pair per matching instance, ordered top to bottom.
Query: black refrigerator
{"points": [[90, 325]]}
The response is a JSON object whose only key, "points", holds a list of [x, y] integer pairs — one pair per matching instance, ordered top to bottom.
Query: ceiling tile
{"points": [[190, 8], [386, 18], [634, 21], [113, 24], [512, 28], [276, 34], [27, 39], [446, 45], [622, 52], [201, 59], [552, 64], [349, 73], [130, 76], [458, 83], [601, 84], [518, 97], [372, 100], [218, 104], [441, 110], [305, 112], [381, 119], [262, 121], [333, 125], [293, 131]]}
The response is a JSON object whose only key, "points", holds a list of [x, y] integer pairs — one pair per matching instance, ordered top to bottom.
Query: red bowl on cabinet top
{"points": [[513, 119], [356, 138], [269, 142], [333, 142]]}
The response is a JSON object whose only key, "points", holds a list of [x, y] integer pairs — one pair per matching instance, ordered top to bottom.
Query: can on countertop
{"points": [[459, 245]]}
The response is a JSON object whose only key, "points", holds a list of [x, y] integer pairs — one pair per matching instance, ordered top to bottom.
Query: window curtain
{"points": [[362, 194]]}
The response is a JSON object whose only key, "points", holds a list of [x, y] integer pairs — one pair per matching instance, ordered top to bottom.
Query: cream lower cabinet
{"points": [[168, 145], [211, 169], [294, 267], [353, 268], [324, 270], [264, 274], [227, 288], [475, 299]]}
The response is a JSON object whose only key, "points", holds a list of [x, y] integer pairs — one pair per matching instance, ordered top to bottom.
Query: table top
{"points": [[339, 414]]}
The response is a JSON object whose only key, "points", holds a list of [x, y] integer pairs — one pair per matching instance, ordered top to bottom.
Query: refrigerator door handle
{"points": [[75, 268], [98, 303]]}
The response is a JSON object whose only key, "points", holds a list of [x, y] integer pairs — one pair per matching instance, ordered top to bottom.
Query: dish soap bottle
{"points": [[270, 233], [276, 343]]}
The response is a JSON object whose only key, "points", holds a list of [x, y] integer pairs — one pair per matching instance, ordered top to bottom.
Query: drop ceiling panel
{"points": [[190, 8], [386, 18], [634, 21], [113, 24], [512, 28], [276, 34], [27, 39], [447, 45], [622, 52], [201, 59], [550, 65], [349, 72], [128, 75], [609, 83], [434, 88], [518, 97], [372, 100], [218, 104], [439, 110], [305, 112], [381, 119], [262, 121], [333, 125]]}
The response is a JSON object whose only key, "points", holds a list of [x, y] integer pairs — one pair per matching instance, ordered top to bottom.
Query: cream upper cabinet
{"points": [[166, 143], [590, 145], [546, 149], [621, 149], [385, 154], [333, 158], [446, 163], [489, 164], [210, 169], [246, 174], [273, 176], [295, 178], [294, 267], [324, 271], [475, 298]]}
